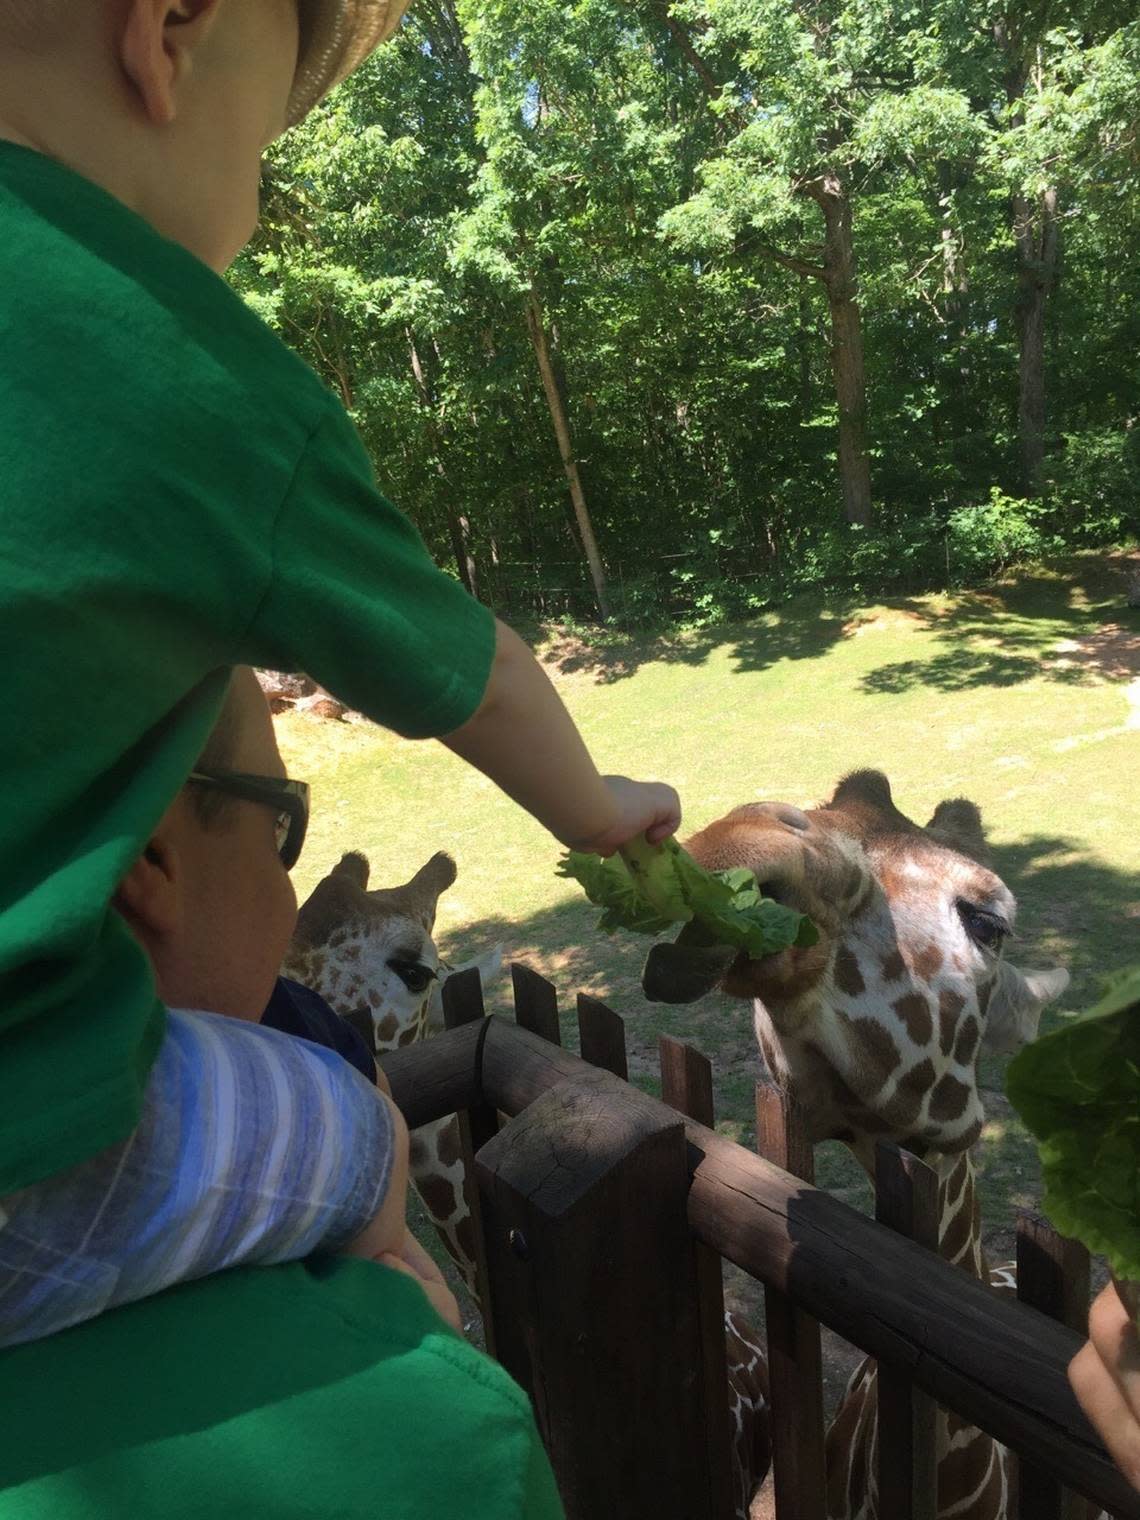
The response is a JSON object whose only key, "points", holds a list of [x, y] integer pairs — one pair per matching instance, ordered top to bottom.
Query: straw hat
{"points": [[336, 36]]}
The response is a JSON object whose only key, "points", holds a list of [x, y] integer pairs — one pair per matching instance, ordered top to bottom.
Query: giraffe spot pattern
{"points": [[928, 962], [894, 967], [848, 977], [950, 1005], [914, 1010], [388, 1028], [969, 1038], [876, 1047], [949, 1099], [447, 1146], [439, 1196]]}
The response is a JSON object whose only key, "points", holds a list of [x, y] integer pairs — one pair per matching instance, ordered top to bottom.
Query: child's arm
{"points": [[523, 738], [1105, 1375]]}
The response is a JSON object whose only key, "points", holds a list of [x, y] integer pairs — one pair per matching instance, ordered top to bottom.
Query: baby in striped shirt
{"points": [[253, 1146]]}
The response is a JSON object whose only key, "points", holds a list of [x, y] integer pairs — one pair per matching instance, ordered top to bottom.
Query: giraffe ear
{"points": [[957, 822], [421, 895], [1015, 1005]]}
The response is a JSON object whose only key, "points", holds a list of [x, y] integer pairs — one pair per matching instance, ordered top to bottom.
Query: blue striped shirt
{"points": [[253, 1147]]}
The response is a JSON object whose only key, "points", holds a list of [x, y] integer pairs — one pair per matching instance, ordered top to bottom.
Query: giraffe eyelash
{"points": [[988, 930]]}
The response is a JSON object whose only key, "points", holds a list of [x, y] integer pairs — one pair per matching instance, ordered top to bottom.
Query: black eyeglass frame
{"points": [[287, 796]]}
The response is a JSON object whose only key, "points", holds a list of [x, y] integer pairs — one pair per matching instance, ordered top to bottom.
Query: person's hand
{"points": [[642, 807], [413, 1261], [1105, 1375]]}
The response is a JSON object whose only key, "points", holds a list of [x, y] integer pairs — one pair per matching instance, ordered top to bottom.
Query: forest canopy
{"points": [[669, 311]]}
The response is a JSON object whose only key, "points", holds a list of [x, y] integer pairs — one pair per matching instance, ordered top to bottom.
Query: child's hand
{"points": [[642, 807], [414, 1261], [1105, 1375]]}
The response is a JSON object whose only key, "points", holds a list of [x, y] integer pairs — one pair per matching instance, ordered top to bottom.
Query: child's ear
{"points": [[155, 48], [148, 895]]}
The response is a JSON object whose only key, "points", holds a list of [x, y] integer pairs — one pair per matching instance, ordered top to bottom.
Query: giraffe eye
{"points": [[989, 930], [414, 974]]}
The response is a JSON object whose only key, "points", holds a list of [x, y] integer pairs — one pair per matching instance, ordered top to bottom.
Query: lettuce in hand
{"points": [[650, 888], [1078, 1090]]}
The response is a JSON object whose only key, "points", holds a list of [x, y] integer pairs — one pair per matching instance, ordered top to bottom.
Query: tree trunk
{"points": [[1035, 230], [536, 327], [846, 347], [458, 525]]}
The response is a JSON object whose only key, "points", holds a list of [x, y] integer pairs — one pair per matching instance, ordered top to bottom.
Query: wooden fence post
{"points": [[462, 997], [687, 1086], [906, 1199], [1053, 1277], [594, 1298], [795, 1367]]}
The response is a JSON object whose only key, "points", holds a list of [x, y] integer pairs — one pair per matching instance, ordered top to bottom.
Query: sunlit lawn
{"points": [[1025, 697]]}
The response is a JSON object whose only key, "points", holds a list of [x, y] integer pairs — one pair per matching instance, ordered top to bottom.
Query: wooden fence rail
{"points": [[588, 1209]]}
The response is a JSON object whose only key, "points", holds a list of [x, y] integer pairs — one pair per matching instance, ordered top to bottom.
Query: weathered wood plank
{"points": [[462, 997], [536, 1003], [601, 1036], [687, 1086], [906, 1200], [1053, 1278], [883, 1293], [593, 1296], [795, 1367]]}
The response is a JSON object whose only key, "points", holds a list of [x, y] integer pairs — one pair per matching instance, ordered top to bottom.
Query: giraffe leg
{"points": [[748, 1409]]}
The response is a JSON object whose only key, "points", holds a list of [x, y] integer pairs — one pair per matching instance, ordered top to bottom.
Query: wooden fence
{"points": [[602, 1218]]}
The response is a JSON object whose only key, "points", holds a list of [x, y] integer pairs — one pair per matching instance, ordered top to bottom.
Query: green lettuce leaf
{"points": [[647, 888], [1078, 1090]]}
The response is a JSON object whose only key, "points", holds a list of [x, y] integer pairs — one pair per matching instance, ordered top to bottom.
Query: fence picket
{"points": [[462, 997], [536, 1003], [601, 1036], [687, 1086], [906, 1199], [1052, 1277], [795, 1368]]}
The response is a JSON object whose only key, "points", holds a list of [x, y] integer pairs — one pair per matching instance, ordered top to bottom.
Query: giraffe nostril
{"points": [[793, 817]]}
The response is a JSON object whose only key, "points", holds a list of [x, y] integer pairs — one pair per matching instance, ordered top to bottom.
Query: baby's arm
{"points": [[523, 738]]}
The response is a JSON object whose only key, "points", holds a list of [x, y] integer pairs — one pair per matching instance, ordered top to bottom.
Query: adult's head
{"points": [[210, 899]]}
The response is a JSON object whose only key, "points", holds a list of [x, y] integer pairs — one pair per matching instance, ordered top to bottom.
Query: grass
{"points": [[1024, 697]]}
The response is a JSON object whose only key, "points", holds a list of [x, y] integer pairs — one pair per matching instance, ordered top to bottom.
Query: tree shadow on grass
{"points": [[1070, 625], [805, 628]]}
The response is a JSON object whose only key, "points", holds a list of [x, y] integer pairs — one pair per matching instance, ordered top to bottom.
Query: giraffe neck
{"points": [[959, 1222]]}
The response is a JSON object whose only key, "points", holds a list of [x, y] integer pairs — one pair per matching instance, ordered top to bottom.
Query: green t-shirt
{"points": [[178, 494], [299, 1392]]}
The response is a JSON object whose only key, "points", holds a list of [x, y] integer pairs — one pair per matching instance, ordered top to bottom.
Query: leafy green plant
{"points": [[649, 888], [1078, 1090]]}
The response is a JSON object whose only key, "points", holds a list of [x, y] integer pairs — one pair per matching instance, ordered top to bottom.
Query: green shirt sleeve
{"points": [[353, 587]]}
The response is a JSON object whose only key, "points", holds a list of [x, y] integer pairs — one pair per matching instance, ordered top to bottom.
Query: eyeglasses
{"points": [[290, 798]]}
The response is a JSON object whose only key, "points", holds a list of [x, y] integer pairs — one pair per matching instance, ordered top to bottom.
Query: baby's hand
{"points": [[642, 807], [414, 1261], [1105, 1375]]}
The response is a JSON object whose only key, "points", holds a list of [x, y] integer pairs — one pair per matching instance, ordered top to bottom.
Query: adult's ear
{"points": [[156, 49], [147, 896]]}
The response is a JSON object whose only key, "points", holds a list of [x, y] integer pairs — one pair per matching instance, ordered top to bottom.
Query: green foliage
{"points": [[667, 218], [649, 888], [1078, 1090]]}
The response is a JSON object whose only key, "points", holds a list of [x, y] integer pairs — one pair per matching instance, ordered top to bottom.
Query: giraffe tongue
{"points": [[682, 973]]}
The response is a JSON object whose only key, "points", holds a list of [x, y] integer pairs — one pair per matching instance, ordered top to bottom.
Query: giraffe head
{"points": [[371, 954], [878, 1026]]}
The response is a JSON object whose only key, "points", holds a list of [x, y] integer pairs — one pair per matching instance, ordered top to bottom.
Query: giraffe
{"points": [[371, 956], [877, 1029]]}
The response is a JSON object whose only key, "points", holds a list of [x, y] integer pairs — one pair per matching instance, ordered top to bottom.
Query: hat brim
{"points": [[337, 37]]}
